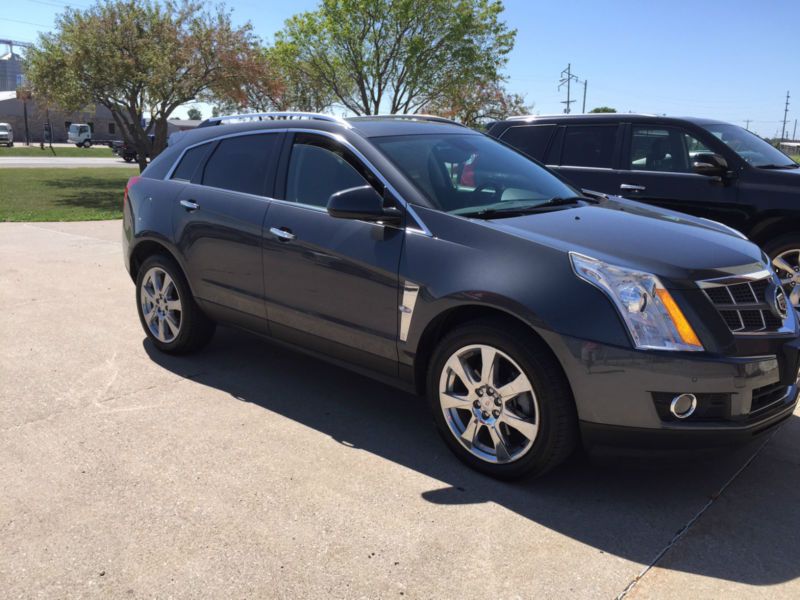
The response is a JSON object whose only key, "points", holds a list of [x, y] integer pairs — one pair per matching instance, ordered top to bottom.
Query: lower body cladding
{"points": [[662, 401]]}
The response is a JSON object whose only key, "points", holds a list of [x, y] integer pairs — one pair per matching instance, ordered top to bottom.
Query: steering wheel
{"points": [[494, 184]]}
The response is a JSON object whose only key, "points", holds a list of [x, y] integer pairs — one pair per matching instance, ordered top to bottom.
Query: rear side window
{"points": [[530, 139], [589, 146], [192, 159], [240, 163]]}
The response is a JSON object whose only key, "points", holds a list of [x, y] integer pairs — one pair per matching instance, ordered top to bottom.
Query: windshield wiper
{"points": [[787, 166], [492, 213]]}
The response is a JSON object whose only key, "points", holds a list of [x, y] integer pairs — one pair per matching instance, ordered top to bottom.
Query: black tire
{"points": [[87, 144], [78, 145], [127, 159], [780, 245], [196, 329], [558, 423]]}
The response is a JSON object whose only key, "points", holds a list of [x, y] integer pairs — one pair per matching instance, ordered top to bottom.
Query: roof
{"points": [[614, 117]]}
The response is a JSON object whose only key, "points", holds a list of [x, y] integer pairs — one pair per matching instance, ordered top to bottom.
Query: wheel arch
{"points": [[773, 227], [146, 248], [454, 317]]}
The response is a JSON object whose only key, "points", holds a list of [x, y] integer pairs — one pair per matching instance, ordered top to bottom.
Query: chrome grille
{"points": [[742, 302]]}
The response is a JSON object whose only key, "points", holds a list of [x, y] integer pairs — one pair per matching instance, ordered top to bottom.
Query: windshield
{"points": [[73, 129], [749, 146], [464, 173]]}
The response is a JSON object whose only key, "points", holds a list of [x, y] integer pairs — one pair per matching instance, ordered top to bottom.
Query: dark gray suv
{"points": [[532, 315]]}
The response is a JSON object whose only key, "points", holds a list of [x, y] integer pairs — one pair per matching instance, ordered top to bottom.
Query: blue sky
{"points": [[728, 59]]}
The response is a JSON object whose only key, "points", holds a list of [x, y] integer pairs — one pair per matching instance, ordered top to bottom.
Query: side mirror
{"points": [[708, 163], [362, 203]]}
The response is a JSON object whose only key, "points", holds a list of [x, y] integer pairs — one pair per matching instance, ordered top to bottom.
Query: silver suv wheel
{"points": [[787, 266], [161, 305], [489, 404]]}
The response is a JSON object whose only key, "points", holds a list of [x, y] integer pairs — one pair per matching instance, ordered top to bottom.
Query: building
{"points": [[13, 111]]}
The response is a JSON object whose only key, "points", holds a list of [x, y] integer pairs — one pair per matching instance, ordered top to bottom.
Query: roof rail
{"points": [[273, 116], [409, 117]]}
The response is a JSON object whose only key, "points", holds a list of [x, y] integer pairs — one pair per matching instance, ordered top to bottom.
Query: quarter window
{"points": [[589, 146], [240, 163], [315, 173]]}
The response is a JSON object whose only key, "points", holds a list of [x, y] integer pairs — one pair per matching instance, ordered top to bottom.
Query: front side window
{"points": [[589, 146], [749, 146], [664, 149], [240, 163], [317, 172], [460, 173]]}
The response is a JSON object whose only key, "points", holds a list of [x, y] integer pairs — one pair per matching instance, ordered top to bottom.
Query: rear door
{"points": [[587, 155], [657, 163], [218, 223], [331, 284]]}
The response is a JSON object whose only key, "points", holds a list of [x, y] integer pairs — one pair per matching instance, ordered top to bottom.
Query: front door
{"points": [[658, 171], [330, 284]]}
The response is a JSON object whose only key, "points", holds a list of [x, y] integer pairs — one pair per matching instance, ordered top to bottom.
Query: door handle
{"points": [[632, 188], [190, 205], [283, 235]]}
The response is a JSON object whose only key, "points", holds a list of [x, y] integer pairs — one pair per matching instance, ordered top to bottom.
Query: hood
{"points": [[677, 247]]}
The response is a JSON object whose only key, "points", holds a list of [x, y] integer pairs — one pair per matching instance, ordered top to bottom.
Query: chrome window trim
{"points": [[334, 136]]}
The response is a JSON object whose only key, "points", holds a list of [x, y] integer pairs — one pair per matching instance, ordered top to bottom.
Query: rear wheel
{"points": [[784, 252], [167, 311], [501, 401]]}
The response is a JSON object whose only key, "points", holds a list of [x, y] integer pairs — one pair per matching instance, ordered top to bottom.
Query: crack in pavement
{"points": [[685, 529]]}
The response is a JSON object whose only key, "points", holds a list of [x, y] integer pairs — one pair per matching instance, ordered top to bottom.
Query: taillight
{"points": [[128, 186]]}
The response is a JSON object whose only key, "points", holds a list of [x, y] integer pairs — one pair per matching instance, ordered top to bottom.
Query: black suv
{"points": [[705, 168], [426, 254]]}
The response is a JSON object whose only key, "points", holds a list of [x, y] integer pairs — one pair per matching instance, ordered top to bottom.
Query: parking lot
{"points": [[249, 471]]}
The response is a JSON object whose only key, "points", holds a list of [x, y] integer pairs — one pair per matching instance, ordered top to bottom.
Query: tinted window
{"points": [[530, 139], [589, 146], [192, 159], [240, 163], [315, 173]]}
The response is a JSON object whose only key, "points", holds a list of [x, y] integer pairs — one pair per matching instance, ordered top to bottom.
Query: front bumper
{"points": [[622, 394]]}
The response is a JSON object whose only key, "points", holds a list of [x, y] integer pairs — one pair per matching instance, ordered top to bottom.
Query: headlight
{"points": [[654, 320]]}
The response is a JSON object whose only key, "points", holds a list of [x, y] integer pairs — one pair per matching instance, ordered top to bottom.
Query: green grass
{"points": [[71, 152], [796, 158], [62, 194]]}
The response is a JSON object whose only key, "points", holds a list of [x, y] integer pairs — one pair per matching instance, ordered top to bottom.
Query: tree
{"points": [[396, 55], [140, 59], [277, 82], [477, 104], [603, 109], [194, 114]]}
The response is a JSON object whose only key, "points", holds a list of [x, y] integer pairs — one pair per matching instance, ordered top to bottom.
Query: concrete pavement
{"points": [[47, 162], [248, 471]]}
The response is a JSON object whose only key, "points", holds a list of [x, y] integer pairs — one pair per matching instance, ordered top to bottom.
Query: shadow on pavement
{"points": [[631, 511]]}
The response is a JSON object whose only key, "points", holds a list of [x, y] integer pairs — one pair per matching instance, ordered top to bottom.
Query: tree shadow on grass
{"points": [[98, 194], [631, 510]]}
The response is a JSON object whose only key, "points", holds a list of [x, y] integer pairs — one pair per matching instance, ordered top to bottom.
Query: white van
{"points": [[6, 134], [80, 134]]}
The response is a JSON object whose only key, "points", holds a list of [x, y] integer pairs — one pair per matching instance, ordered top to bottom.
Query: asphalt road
{"points": [[47, 162], [248, 471]]}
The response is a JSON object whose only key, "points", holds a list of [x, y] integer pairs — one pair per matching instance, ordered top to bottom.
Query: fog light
{"points": [[683, 406]]}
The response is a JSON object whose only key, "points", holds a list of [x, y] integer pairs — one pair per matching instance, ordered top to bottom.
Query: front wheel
{"points": [[87, 144], [784, 252], [167, 311], [501, 401]]}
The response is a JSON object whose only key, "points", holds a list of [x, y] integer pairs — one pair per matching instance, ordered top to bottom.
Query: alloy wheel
{"points": [[787, 265], [161, 305], [489, 404]]}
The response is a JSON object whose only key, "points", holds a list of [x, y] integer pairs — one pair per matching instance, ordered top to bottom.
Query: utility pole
{"points": [[566, 79], [585, 85], [785, 114], [747, 124], [794, 135]]}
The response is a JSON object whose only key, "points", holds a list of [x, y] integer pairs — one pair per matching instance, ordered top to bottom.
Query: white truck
{"points": [[6, 134], [80, 134]]}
